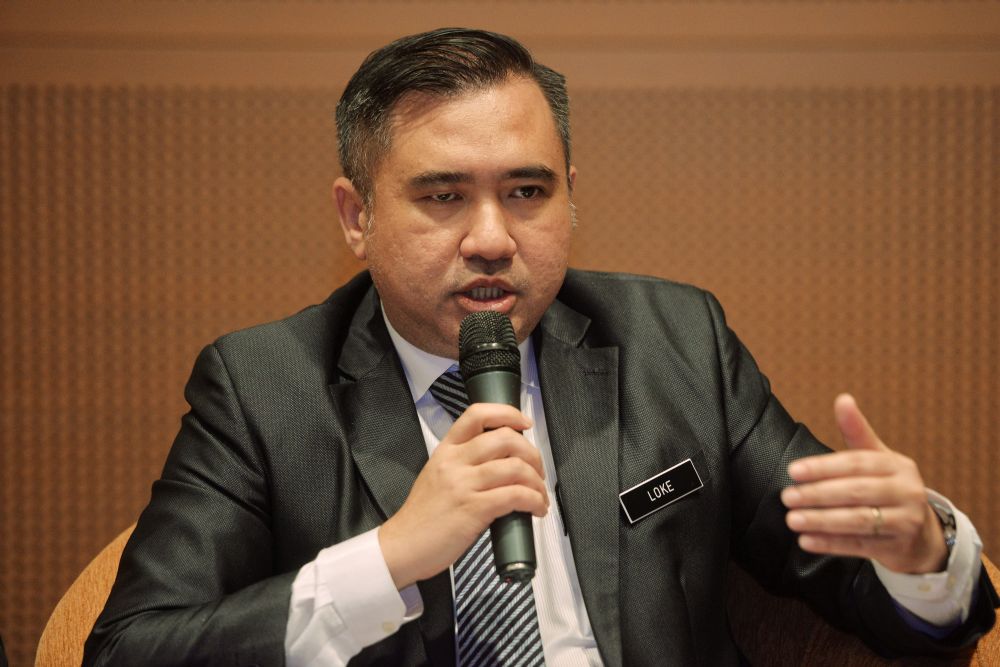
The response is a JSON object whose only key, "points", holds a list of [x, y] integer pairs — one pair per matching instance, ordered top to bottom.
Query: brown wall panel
{"points": [[829, 170], [141, 224], [849, 232]]}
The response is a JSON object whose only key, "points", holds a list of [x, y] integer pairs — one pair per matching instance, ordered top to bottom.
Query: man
{"points": [[321, 502]]}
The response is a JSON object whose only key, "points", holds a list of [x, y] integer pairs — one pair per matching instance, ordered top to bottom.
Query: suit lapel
{"points": [[580, 396], [380, 420], [388, 448]]}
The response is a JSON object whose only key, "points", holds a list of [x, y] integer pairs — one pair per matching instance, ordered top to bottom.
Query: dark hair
{"points": [[444, 62]]}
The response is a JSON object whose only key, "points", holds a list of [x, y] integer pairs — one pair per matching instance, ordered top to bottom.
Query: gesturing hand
{"points": [[482, 469], [867, 501]]}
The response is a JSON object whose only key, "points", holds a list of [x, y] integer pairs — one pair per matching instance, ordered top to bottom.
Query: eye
{"points": [[527, 192], [443, 197]]}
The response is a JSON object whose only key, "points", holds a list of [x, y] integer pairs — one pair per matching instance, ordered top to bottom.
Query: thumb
{"points": [[855, 429]]}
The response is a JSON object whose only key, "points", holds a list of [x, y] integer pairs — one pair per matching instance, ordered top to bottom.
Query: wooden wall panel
{"points": [[829, 169], [140, 224], [850, 232]]}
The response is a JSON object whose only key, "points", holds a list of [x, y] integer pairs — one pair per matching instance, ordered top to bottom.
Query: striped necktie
{"points": [[497, 624]]}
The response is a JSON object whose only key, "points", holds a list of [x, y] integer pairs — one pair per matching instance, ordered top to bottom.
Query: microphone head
{"points": [[486, 342]]}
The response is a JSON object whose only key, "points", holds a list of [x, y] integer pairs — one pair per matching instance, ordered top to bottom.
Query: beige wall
{"points": [[829, 169]]}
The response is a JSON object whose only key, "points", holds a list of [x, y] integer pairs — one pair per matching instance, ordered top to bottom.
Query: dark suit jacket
{"points": [[302, 433]]}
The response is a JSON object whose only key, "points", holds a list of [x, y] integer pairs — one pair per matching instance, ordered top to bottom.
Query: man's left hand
{"points": [[867, 501]]}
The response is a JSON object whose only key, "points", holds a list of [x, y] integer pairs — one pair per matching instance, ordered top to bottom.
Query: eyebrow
{"points": [[539, 172], [430, 178], [433, 178]]}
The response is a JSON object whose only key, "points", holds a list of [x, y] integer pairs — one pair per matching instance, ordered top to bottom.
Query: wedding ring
{"points": [[879, 521]]}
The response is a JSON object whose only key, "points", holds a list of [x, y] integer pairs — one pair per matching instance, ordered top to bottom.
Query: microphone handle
{"points": [[512, 536]]}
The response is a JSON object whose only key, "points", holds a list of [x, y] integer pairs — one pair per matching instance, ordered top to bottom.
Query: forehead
{"points": [[505, 119]]}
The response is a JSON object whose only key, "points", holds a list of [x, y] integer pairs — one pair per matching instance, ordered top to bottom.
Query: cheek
{"points": [[549, 254], [417, 261]]}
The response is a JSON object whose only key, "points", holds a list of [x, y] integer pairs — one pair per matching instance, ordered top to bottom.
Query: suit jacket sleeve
{"points": [[764, 439], [183, 595]]}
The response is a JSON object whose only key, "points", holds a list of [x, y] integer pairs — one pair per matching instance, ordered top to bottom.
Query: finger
{"points": [[480, 417], [854, 427], [499, 444], [850, 463], [507, 472], [847, 492], [515, 498], [859, 521]]}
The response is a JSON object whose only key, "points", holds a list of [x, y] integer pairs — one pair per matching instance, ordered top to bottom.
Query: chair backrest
{"points": [[72, 619], [769, 629], [783, 631]]}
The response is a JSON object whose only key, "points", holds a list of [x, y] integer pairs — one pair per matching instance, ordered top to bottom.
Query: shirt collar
{"points": [[423, 368]]}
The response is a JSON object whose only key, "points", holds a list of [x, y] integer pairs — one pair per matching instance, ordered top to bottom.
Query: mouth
{"points": [[484, 293], [487, 297]]}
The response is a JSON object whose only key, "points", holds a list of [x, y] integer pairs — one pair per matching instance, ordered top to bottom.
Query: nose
{"points": [[488, 236]]}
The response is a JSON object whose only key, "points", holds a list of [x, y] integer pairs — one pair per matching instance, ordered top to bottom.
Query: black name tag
{"points": [[657, 492]]}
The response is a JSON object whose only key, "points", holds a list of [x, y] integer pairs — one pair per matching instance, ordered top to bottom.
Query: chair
{"points": [[770, 630], [782, 631], [62, 640]]}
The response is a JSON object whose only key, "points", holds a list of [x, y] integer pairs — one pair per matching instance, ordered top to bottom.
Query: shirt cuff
{"points": [[940, 598], [344, 601]]}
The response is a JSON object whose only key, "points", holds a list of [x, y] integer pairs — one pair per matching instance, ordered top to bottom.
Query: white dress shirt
{"points": [[346, 600]]}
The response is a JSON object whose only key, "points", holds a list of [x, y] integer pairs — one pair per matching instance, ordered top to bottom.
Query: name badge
{"points": [[657, 492]]}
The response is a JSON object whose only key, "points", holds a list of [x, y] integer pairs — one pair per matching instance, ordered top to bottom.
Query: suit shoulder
{"points": [[618, 282], [631, 299], [309, 338]]}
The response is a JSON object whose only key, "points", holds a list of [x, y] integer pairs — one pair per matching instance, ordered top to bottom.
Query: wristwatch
{"points": [[948, 523]]}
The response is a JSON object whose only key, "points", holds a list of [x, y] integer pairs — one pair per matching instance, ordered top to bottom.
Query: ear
{"points": [[572, 178], [353, 217]]}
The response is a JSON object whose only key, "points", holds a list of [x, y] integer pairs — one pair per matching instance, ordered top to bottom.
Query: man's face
{"points": [[471, 212]]}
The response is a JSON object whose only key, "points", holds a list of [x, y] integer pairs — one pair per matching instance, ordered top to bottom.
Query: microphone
{"points": [[491, 368]]}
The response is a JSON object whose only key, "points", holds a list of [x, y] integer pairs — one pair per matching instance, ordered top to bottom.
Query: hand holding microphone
{"points": [[491, 367], [481, 471]]}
